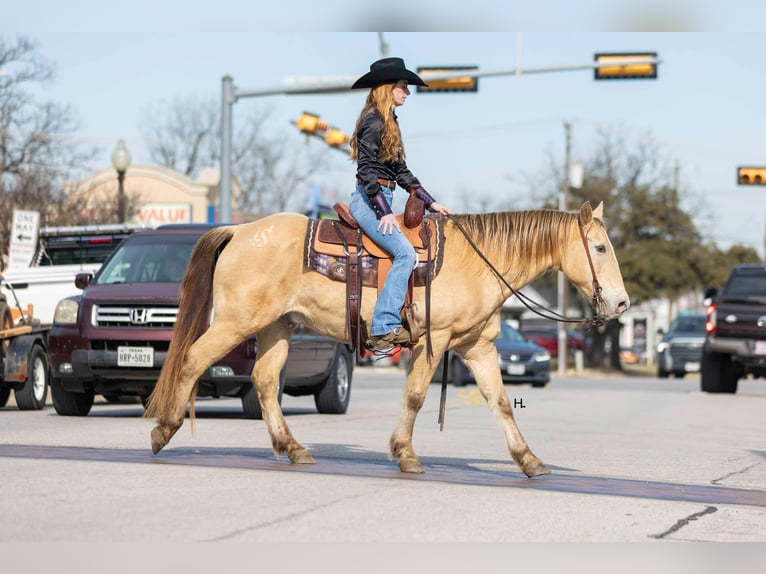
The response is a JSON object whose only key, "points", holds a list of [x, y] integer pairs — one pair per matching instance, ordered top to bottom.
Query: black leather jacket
{"points": [[369, 169]]}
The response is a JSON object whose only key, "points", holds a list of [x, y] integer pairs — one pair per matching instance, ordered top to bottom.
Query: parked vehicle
{"points": [[548, 338], [113, 339], [735, 345], [680, 350], [520, 361], [23, 362]]}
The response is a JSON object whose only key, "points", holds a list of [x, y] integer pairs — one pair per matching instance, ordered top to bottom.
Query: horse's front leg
{"points": [[273, 345], [481, 358], [418, 380]]}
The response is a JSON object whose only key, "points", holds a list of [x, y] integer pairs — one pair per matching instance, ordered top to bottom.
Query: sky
{"points": [[704, 111]]}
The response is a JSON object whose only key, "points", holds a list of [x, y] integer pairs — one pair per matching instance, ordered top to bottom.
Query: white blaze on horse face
{"points": [[260, 237], [616, 299]]}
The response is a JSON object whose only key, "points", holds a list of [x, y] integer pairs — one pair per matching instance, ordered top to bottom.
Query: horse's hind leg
{"points": [[273, 345], [211, 346], [482, 360]]}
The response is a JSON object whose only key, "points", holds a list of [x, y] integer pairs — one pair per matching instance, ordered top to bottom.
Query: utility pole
{"points": [[562, 286]]}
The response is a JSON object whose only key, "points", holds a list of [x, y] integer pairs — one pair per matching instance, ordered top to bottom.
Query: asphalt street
{"points": [[633, 459]]}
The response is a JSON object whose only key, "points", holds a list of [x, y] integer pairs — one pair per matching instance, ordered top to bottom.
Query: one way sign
{"points": [[23, 238]]}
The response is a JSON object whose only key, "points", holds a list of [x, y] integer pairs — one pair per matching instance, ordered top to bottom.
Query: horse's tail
{"points": [[193, 319]]}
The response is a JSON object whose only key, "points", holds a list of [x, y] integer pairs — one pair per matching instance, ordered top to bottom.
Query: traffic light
{"points": [[639, 66], [458, 84], [310, 123], [335, 137], [751, 175]]}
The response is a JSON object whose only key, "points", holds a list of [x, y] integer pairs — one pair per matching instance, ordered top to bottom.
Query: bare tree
{"points": [[181, 134], [38, 150], [272, 171]]}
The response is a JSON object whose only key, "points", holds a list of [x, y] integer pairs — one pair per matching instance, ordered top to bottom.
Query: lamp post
{"points": [[121, 162]]}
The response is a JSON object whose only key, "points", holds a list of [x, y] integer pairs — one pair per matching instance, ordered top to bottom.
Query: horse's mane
{"points": [[519, 238]]}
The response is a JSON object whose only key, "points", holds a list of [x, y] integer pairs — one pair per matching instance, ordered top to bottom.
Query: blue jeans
{"points": [[386, 315]]}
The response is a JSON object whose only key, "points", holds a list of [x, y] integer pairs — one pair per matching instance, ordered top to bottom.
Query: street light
{"points": [[121, 162]]}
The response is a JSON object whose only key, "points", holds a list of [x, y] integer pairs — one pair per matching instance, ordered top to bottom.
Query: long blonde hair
{"points": [[381, 98]]}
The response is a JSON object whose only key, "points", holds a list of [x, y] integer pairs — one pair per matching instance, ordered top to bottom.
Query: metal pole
{"points": [[224, 188], [121, 196], [562, 291]]}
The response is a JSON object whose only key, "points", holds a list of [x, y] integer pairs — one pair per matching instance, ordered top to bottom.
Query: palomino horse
{"points": [[253, 275]]}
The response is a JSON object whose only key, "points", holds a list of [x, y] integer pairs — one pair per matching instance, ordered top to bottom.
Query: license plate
{"points": [[760, 347], [135, 356], [692, 367], [515, 369]]}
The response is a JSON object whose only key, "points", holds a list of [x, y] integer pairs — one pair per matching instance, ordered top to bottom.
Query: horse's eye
{"points": [[600, 248]]}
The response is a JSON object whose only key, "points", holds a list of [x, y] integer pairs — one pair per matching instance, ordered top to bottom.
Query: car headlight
{"points": [[66, 312], [662, 347], [541, 357]]}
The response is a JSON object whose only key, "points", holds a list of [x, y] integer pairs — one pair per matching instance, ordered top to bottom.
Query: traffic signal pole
{"points": [[231, 94]]}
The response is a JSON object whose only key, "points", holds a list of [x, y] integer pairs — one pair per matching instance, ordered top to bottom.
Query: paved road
{"points": [[633, 459]]}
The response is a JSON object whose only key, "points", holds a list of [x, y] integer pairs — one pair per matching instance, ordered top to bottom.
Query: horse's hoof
{"points": [[158, 439], [301, 457], [411, 466], [537, 470]]}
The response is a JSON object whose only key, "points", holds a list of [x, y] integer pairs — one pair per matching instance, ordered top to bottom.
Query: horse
{"points": [[253, 276]]}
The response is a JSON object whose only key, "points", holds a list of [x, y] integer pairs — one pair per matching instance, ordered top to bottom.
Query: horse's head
{"points": [[590, 263]]}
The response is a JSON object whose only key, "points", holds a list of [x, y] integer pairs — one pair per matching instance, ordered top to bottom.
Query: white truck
{"points": [[62, 253]]}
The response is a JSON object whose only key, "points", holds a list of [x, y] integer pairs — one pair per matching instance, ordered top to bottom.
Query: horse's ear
{"points": [[599, 211], [586, 215]]}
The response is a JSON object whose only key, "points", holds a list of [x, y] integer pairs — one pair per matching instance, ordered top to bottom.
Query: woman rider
{"points": [[377, 147]]}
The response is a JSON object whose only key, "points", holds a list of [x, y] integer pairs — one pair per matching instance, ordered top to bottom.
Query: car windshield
{"points": [[143, 259], [691, 324], [509, 334]]}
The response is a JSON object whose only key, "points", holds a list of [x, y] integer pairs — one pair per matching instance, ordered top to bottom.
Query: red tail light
{"points": [[711, 318]]}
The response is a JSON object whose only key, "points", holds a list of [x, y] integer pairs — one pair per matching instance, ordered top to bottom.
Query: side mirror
{"points": [[82, 280]]}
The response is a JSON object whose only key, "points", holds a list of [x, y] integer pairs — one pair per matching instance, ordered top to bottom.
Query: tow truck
{"points": [[23, 357]]}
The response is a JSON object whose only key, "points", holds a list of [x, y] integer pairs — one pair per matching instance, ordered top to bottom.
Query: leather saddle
{"points": [[340, 250]]}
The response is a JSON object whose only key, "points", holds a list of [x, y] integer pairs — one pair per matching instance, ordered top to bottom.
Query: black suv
{"points": [[736, 325], [113, 338], [680, 350]]}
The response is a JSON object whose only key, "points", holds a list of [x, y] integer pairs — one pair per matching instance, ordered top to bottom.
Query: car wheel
{"points": [[457, 371], [662, 373], [718, 374], [539, 384], [5, 392], [333, 395], [31, 397], [68, 403], [250, 403]]}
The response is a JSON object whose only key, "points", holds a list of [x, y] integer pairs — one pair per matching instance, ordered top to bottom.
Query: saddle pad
{"points": [[333, 264]]}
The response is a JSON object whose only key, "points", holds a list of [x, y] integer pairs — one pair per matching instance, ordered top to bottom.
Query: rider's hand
{"points": [[439, 208], [388, 223]]}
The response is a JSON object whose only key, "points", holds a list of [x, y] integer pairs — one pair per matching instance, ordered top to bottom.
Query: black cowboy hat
{"points": [[387, 70]]}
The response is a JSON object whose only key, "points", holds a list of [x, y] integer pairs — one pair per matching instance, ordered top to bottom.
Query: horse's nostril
{"points": [[622, 307]]}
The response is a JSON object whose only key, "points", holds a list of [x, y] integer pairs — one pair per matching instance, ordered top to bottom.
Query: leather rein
{"points": [[597, 300]]}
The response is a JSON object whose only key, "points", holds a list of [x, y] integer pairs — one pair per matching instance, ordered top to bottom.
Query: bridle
{"points": [[597, 300]]}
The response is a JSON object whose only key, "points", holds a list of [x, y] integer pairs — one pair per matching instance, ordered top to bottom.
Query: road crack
{"points": [[717, 481], [285, 518], [684, 521]]}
